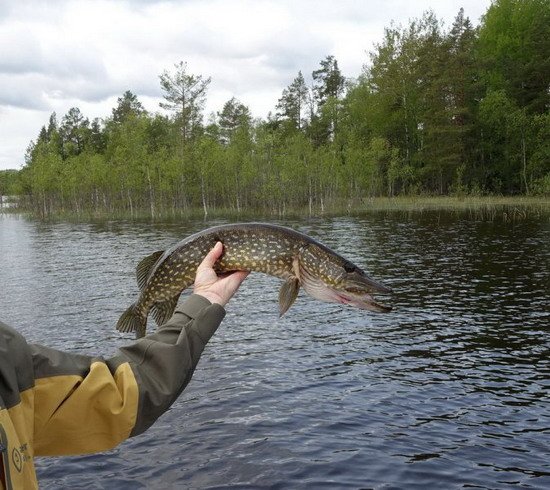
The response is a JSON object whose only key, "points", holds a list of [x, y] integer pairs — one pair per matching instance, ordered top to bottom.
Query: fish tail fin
{"points": [[132, 321]]}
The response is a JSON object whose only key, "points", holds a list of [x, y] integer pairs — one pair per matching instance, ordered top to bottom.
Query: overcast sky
{"points": [[55, 55]]}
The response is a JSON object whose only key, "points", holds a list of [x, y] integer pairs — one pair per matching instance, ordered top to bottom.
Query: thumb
{"points": [[211, 257]]}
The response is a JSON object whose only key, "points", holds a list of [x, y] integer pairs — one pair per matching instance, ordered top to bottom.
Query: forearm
{"points": [[164, 361], [85, 404]]}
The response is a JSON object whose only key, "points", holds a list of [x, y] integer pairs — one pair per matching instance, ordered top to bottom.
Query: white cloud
{"points": [[86, 53]]}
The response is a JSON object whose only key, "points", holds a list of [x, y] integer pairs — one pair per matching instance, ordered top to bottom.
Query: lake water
{"points": [[450, 390]]}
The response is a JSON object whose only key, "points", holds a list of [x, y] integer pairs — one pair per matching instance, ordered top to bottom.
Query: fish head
{"points": [[329, 277]]}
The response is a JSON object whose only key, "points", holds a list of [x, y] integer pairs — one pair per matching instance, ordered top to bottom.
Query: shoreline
{"points": [[507, 206]]}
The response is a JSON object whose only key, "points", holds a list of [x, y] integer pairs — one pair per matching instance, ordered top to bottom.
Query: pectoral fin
{"points": [[287, 294], [163, 311]]}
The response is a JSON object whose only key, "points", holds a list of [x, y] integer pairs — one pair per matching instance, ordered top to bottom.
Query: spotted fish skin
{"points": [[275, 250]]}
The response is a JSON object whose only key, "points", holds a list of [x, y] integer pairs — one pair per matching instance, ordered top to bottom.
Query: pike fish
{"points": [[297, 259]]}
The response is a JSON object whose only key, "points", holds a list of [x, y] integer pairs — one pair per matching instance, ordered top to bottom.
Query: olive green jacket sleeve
{"points": [[164, 362], [84, 404]]}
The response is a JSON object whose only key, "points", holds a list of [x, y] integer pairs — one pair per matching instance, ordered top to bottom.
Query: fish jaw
{"points": [[364, 302]]}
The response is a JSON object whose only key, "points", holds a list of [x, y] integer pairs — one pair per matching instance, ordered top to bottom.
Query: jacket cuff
{"points": [[193, 305], [195, 313], [207, 315]]}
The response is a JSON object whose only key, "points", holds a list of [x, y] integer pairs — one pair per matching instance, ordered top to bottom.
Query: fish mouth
{"points": [[363, 284], [358, 290], [363, 301]]}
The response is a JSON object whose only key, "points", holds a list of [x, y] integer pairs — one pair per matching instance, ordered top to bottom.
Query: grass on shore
{"points": [[452, 202], [480, 207]]}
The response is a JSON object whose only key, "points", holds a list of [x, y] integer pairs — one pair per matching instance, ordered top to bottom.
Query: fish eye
{"points": [[349, 267]]}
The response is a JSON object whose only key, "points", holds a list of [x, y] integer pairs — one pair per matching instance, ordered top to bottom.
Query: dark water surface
{"points": [[450, 390]]}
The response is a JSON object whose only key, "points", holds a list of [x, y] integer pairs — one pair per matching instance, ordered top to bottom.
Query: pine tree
{"points": [[328, 81], [328, 88], [185, 96], [127, 105], [291, 106], [233, 116], [74, 132]]}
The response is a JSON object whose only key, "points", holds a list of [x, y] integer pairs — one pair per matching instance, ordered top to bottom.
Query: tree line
{"points": [[458, 110]]}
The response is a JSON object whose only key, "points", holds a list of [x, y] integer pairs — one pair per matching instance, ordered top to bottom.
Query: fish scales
{"points": [[275, 250]]}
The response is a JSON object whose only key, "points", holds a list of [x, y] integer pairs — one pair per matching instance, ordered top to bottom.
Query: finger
{"points": [[211, 257], [234, 280]]}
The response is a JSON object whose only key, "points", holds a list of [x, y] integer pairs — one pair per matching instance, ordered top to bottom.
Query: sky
{"points": [[59, 54]]}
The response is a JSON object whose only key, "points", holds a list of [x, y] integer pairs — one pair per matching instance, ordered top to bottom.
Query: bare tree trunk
{"points": [[407, 153], [524, 159], [238, 191], [203, 193], [151, 195], [310, 198], [130, 202], [76, 204]]}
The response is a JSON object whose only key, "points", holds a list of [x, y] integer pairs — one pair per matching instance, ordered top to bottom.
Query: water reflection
{"points": [[449, 390]]}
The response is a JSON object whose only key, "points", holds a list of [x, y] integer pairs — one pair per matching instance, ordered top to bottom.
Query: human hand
{"points": [[217, 289]]}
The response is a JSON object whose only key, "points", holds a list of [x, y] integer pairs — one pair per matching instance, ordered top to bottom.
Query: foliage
{"points": [[435, 111], [9, 182]]}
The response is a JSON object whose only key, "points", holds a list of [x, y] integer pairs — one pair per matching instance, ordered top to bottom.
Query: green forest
{"points": [[437, 110]]}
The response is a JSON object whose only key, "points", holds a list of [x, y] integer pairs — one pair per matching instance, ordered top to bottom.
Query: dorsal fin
{"points": [[144, 268]]}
